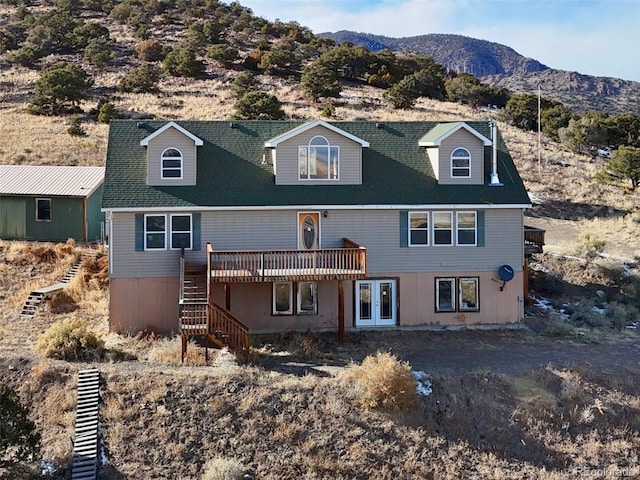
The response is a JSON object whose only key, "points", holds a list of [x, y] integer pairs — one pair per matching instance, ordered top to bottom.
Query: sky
{"points": [[593, 37]]}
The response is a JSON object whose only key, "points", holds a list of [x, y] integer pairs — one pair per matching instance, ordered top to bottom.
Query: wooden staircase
{"points": [[194, 284], [36, 297], [204, 320], [85, 442]]}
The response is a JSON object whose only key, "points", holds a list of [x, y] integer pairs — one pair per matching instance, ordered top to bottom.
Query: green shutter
{"points": [[195, 218], [404, 228], [480, 228], [139, 232]]}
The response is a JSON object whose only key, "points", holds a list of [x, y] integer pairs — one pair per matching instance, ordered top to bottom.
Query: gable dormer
{"points": [[456, 152], [317, 153], [171, 156]]}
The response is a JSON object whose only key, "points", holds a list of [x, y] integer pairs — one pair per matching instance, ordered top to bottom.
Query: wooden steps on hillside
{"points": [[36, 297], [85, 443]]}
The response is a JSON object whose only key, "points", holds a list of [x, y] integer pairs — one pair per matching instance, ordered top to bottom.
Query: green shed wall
{"points": [[95, 217], [18, 219]]}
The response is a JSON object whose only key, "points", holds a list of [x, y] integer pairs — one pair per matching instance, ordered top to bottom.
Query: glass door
{"points": [[376, 303]]}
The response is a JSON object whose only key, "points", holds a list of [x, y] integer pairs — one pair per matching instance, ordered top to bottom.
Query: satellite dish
{"points": [[505, 273]]}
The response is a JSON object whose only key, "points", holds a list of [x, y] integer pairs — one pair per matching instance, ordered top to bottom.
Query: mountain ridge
{"points": [[498, 64]]}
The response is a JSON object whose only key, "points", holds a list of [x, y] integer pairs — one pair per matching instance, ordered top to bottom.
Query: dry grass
{"points": [[169, 350]]}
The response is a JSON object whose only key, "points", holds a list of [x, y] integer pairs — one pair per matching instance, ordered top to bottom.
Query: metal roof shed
{"points": [[51, 203]]}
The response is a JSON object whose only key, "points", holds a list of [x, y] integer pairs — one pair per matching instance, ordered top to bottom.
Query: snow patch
{"points": [[599, 310], [423, 383], [47, 468]]}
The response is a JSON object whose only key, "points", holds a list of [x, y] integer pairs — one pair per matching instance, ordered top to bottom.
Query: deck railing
{"points": [[533, 239], [279, 265], [228, 328]]}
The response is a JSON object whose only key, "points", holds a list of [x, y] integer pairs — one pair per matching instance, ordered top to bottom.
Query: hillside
{"points": [[498, 64]]}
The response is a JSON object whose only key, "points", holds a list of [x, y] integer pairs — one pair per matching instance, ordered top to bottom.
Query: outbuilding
{"points": [[51, 203]]}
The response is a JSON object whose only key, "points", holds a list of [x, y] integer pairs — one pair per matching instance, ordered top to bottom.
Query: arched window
{"points": [[318, 160], [171, 163], [461, 163]]}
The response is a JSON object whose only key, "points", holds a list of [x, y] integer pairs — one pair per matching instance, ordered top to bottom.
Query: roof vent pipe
{"points": [[494, 181]]}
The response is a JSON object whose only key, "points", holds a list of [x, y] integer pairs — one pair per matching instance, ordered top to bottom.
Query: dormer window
{"points": [[318, 160], [171, 161], [461, 163]]}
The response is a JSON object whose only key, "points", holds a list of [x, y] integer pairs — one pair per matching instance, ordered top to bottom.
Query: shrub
{"points": [[150, 50], [98, 53], [223, 54], [183, 63], [143, 79], [244, 83], [259, 106], [328, 111], [107, 112], [75, 128], [591, 245], [585, 314], [620, 315], [558, 328], [70, 340], [383, 381], [19, 441], [221, 468]]}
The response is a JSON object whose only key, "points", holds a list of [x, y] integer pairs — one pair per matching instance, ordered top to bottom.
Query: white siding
{"points": [[167, 139], [350, 158]]}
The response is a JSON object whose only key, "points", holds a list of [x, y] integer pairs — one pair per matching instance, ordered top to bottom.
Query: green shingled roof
{"points": [[230, 171]]}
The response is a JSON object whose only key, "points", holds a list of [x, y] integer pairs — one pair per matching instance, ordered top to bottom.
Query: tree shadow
{"points": [[567, 210]]}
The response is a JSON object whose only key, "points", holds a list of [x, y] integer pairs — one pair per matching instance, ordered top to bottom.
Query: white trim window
{"points": [[318, 160], [171, 163], [460, 163], [43, 209], [181, 228], [418, 228], [442, 228], [466, 228], [155, 232], [445, 294], [468, 294], [282, 298], [307, 298]]}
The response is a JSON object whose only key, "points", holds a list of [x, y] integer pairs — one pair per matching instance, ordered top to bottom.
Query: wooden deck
{"points": [[533, 240], [348, 263]]}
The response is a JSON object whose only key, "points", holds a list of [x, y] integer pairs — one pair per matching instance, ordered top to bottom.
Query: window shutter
{"points": [[195, 218], [404, 228], [480, 228], [139, 232]]}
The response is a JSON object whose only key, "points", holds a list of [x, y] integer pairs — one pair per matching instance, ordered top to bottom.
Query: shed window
{"points": [[171, 163], [43, 209]]}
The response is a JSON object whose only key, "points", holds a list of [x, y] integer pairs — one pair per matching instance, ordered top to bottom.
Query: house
{"points": [[51, 203], [285, 225]]}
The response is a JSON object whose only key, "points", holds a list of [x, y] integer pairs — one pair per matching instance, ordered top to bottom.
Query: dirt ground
{"points": [[459, 352]]}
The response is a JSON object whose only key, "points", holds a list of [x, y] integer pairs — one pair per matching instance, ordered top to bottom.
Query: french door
{"points": [[376, 303]]}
